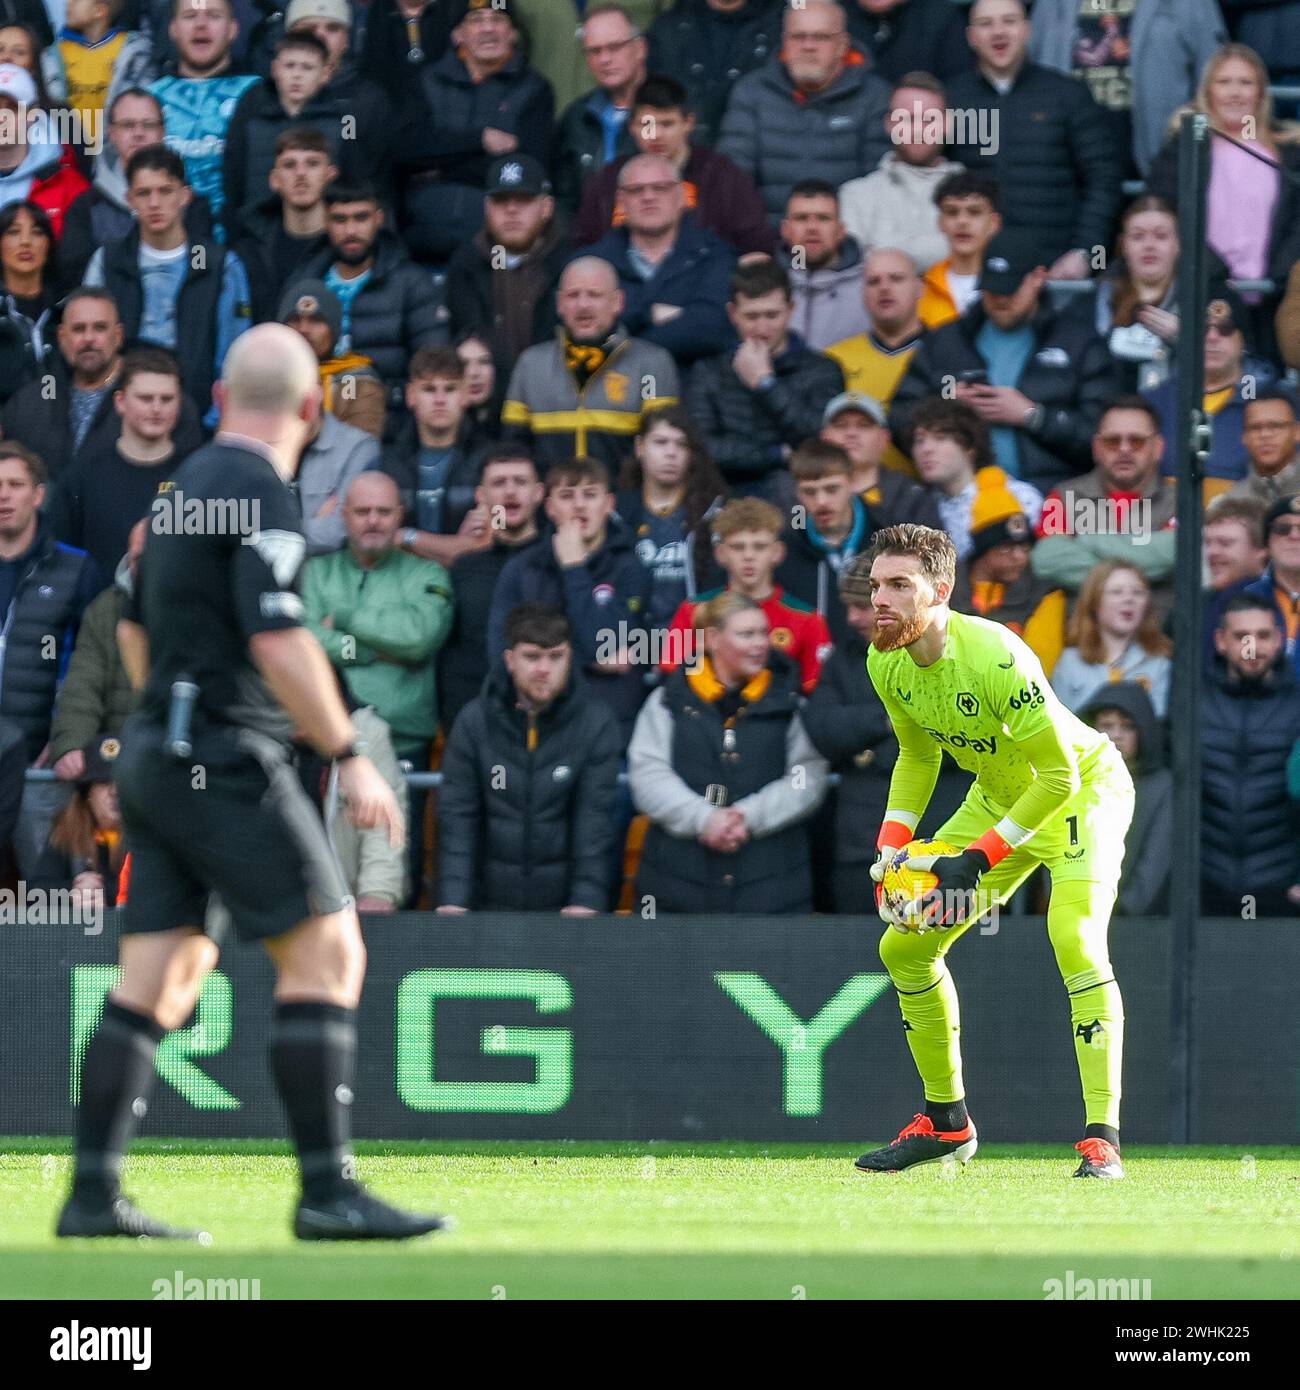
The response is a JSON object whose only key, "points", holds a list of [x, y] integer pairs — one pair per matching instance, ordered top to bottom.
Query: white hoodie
{"points": [[893, 206]]}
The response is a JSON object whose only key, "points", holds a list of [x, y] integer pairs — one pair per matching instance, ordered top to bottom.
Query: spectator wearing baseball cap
{"points": [[477, 102], [34, 167], [509, 304], [1232, 376], [1038, 378], [354, 390], [859, 425], [996, 581]]}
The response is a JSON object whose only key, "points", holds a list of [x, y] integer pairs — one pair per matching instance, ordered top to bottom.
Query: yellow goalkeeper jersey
{"points": [[988, 703]]}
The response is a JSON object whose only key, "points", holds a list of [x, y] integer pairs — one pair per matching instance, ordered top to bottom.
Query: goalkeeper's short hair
{"points": [[932, 547]]}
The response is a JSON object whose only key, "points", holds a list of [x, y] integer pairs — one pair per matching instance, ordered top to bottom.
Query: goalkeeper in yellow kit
{"points": [[1048, 790]]}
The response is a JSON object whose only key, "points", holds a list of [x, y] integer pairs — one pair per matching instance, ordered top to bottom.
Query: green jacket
{"points": [[555, 49], [387, 624], [96, 696]]}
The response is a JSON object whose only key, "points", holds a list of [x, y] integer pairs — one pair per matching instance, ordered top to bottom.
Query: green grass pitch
{"points": [[569, 1220]]}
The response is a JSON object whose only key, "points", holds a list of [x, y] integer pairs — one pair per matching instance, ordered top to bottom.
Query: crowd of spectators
{"points": [[636, 322]]}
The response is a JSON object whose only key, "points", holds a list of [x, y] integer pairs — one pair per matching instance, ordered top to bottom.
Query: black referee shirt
{"points": [[220, 564]]}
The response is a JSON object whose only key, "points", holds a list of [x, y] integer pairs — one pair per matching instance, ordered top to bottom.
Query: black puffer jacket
{"points": [[706, 50], [260, 120], [835, 134], [441, 146], [1055, 157], [253, 240], [394, 313], [1070, 371], [745, 429], [54, 586], [523, 830], [1250, 832]]}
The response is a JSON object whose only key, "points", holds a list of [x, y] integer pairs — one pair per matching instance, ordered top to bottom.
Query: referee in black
{"points": [[211, 804]]}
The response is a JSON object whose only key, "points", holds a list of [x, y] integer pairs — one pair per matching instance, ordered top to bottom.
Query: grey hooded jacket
{"points": [[1172, 41]]}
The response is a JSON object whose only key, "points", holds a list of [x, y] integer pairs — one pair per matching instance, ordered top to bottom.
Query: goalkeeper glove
{"points": [[893, 836], [952, 900], [883, 910]]}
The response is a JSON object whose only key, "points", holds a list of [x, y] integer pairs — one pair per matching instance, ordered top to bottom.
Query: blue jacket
{"points": [[197, 114], [695, 274], [1228, 456]]}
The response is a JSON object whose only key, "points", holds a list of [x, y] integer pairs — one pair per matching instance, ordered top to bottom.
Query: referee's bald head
{"points": [[270, 370]]}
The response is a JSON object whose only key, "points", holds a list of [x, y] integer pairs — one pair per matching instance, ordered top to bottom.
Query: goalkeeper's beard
{"points": [[902, 633]]}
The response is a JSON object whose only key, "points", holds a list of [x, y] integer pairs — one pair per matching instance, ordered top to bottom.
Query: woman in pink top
{"points": [[1253, 211]]}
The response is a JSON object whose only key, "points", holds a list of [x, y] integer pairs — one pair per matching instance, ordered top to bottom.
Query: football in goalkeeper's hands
{"points": [[901, 883]]}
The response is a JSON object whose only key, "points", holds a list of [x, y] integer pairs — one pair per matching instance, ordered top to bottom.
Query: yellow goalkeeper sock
{"points": [[1078, 916], [932, 1022]]}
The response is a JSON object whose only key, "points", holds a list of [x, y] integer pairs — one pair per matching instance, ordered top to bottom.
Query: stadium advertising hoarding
{"points": [[694, 1028]]}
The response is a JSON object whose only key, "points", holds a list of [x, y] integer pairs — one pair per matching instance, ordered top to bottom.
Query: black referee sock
{"points": [[313, 1057], [117, 1079], [947, 1118]]}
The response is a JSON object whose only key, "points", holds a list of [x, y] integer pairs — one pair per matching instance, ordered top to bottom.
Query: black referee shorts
{"points": [[239, 825]]}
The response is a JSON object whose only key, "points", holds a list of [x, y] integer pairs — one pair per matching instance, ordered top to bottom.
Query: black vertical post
{"points": [[1187, 463]]}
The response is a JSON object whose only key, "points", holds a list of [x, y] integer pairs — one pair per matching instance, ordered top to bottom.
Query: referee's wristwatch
{"points": [[1034, 417], [408, 537], [353, 750]]}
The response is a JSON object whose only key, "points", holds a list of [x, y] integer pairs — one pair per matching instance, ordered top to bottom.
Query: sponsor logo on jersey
{"points": [[976, 745]]}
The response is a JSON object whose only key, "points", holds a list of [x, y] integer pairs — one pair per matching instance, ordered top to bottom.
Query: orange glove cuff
{"points": [[993, 847]]}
